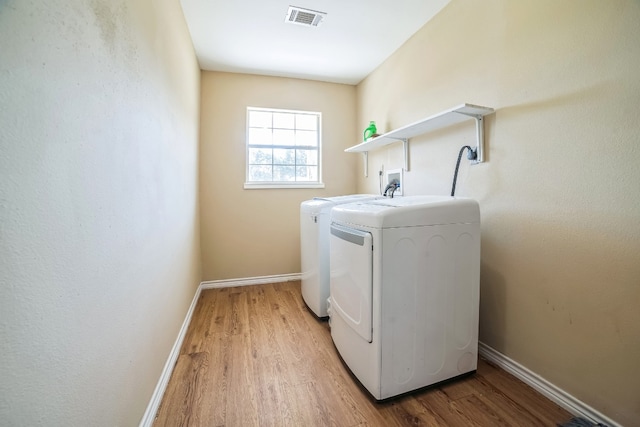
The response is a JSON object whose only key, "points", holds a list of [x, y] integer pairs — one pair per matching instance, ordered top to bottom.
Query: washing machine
{"points": [[314, 248], [404, 286]]}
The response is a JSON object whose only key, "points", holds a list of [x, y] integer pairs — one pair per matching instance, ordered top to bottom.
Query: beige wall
{"points": [[560, 192], [248, 233], [99, 235]]}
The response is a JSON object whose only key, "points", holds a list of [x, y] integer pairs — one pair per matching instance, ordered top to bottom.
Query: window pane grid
{"points": [[283, 146], [288, 147], [299, 158]]}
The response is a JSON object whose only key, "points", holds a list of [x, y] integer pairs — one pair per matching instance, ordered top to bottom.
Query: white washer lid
{"points": [[319, 204], [408, 211]]}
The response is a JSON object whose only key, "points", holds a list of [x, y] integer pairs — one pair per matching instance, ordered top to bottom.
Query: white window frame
{"points": [[249, 185]]}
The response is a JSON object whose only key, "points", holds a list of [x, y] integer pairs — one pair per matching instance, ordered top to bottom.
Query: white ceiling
{"points": [[251, 36]]}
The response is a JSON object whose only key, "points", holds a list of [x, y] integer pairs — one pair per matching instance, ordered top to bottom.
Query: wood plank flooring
{"points": [[256, 356]]}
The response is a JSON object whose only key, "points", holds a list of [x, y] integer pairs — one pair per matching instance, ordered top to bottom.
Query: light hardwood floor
{"points": [[256, 356]]}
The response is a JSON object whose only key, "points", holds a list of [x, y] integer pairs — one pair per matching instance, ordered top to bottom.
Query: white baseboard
{"points": [[228, 283], [544, 387], [156, 398]]}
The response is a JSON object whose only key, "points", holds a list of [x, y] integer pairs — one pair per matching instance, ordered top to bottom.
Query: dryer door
{"points": [[351, 277]]}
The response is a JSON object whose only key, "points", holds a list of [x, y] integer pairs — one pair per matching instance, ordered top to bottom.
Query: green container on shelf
{"points": [[370, 130]]}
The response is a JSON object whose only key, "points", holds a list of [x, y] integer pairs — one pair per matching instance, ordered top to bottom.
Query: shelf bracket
{"points": [[479, 140], [405, 149], [405, 153], [365, 156]]}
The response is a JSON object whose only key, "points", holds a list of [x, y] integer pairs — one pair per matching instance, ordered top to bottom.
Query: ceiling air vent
{"points": [[306, 17]]}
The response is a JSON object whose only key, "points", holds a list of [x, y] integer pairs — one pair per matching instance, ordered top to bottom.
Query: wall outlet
{"points": [[392, 174]]}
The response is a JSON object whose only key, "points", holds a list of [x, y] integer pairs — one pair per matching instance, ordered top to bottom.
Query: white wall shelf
{"points": [[446, 118]]}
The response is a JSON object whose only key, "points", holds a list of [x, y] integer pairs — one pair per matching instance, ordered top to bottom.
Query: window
{"points": [[283, 149]]}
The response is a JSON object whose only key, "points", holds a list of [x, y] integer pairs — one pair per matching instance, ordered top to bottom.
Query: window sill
{"points": [[276, 185]]}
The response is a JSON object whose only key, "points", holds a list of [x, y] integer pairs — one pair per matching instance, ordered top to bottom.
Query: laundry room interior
{"points": [[124, 190]]}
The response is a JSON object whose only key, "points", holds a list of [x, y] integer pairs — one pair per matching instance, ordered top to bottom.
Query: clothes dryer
{"points": [[314, 247], [404, 286]]}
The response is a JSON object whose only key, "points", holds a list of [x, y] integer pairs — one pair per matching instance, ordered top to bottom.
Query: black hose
{"points": [[455, 174], [393, 186]]}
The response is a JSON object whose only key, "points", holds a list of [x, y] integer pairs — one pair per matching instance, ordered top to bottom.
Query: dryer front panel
{"points": [[351, 277]]}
